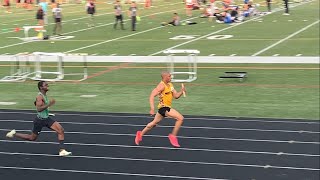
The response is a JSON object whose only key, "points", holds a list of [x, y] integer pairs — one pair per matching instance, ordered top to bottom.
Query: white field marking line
{"points": [[100, 14], [234, 25], [64, 34], [122, 37], [284, 39], [2, 47], [148, 117], [162, 126], [182, 137], [164, 148], [159, 160], [104, 172]]}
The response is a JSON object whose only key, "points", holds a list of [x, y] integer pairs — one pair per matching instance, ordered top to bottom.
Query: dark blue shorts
{"points": [[163, 110], [38, 124]]}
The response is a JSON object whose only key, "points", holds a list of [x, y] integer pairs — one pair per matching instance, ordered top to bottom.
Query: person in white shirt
{"points": [[57, 15]]}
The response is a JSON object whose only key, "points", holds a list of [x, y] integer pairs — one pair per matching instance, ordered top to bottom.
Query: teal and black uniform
{"points": [[42, 119]]}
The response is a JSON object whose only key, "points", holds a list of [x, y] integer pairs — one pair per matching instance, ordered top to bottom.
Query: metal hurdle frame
{"points": [[191, 60], [85, 66], [37, 67], [20, 68], [60, 75]]}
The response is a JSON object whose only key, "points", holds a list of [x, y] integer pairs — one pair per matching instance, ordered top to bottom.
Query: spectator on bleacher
{"points": [[91, 10], [133, 13], [57, 15], [118, 15]]}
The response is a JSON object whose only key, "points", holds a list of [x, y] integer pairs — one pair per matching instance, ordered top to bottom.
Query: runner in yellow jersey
{"points": [[166, 92], [42, 119]]}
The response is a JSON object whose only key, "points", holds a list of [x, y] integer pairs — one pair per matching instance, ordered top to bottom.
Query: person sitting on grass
{"points": [[174, 22]]}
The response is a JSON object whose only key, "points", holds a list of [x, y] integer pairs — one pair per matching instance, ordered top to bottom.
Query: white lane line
{"points": [[234, 25], [284, 39], [296, 121], [163, 126], [182, 137], [164, 148], [167, 161], [103, 172]]}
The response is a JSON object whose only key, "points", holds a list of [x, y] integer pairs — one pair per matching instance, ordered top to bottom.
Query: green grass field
{"points": [[248, 38], [271, 90]]}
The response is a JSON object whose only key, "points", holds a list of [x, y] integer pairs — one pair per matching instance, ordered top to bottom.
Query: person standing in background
{"points": [[269, 5], [286, 5], [44, 6], [91, 10], [133, 13], [57, 15], [118, 15]]}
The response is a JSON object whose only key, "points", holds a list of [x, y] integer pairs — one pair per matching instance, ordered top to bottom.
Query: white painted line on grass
{"points": [[221, 30], [122, 37], [286, 38], [11, 45], [88, 95], [7, 103]]}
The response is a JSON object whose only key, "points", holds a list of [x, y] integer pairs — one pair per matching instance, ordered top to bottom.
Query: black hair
{"points": [[40, 84]]}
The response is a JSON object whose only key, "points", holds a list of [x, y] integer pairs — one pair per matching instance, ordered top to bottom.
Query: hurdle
{"points": [[26, 32], [191, 56], [19, 68], [59, 74]]}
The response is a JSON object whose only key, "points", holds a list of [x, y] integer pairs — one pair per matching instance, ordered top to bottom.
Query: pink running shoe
{"points": [[138, 138], [173, 140]]}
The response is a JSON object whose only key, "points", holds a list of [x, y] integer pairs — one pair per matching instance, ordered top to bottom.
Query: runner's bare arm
{"points": [[156, 91], [40, 103]]}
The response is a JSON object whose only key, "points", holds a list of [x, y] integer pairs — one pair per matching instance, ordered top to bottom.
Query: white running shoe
{"points": [[11, 133], [64, 153]]}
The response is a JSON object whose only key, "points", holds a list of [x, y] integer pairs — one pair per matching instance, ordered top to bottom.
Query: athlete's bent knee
{"points": [[181, 118], [60, 131], [32, 138]]}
